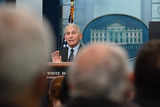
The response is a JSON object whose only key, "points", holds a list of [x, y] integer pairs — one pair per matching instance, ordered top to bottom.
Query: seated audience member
{"points": [[72, 36], [24, 44], [147, 75], [99, 77], [54, 92]]}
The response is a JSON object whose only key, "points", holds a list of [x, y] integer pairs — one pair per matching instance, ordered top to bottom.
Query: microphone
{"points": [[65, 44]]}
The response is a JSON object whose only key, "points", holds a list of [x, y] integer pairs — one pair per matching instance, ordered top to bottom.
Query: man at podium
{"points": [[72, 36]]}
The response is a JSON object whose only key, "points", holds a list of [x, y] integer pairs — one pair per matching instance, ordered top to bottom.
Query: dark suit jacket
{"points": [[64, 53], [147, 101], [95, 102]]}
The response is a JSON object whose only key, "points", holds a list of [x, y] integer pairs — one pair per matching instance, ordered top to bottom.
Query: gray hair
{"points": [[74, 26], [24, 43], [100, 70]]}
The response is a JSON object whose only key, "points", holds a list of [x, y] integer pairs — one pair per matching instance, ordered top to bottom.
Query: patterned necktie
{"points": [[71, 55]]}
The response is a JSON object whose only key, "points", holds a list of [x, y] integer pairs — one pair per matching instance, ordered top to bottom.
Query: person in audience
{"points": [[72, 36], [24, 44], [147, 75], [99, 77], [54, 92], [64, 92]]}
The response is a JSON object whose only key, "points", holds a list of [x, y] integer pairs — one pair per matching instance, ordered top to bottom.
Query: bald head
{"points": [[24, 44], [100, 70]]}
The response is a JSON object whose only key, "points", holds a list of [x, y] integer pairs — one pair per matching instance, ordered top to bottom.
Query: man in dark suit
{"points": [[72, 36], [147, 75]]}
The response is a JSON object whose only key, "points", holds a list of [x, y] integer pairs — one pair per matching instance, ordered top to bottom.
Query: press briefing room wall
{"points": [[52, 10]]}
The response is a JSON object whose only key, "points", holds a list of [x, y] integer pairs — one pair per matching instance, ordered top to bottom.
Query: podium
{"points": [[58, 69]]}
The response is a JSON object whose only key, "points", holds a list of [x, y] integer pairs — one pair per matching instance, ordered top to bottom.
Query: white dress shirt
{"points": [[76, 48]]}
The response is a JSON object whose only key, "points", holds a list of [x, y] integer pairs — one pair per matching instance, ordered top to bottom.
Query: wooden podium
{"points": [[58, 69]]}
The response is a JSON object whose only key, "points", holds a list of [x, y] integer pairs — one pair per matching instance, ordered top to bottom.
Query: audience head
{"points": [[72, 35], [24, 44], [100, 69], [147, 70], [55, 91], [64, 92]]}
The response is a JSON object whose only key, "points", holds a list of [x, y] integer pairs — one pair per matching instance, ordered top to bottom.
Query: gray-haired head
{"points": [[72, 25], [72, 35], [24, 43], [100, 69]]}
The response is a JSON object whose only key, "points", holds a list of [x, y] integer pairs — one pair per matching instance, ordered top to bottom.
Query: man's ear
{"points": [[80, 36], [65, 37]]}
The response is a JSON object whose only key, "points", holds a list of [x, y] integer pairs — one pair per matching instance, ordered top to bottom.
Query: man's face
{"points": [[72, 36]]}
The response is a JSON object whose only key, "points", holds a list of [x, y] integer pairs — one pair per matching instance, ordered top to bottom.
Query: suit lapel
{"points": [[64, 54]]}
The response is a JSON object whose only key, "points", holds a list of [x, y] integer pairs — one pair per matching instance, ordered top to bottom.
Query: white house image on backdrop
{"points": [[118, 34]]}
